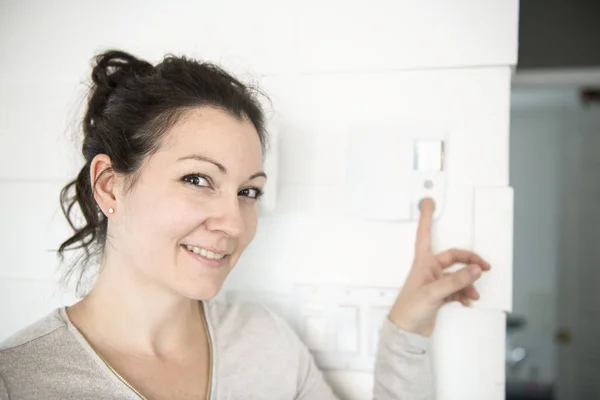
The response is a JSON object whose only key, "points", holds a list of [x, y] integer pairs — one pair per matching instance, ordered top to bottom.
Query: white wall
{"points": [[328, 66]]}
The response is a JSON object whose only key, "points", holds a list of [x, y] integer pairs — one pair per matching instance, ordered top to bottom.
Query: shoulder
{"points": [[34, 333], [35, 345], [32, 351], [36, 360]]}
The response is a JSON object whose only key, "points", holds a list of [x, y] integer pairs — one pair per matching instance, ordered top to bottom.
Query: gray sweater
{"points": [[256, 355]]}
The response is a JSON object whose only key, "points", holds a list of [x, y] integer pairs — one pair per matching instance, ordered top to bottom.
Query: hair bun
{"points": [[115, 66]]}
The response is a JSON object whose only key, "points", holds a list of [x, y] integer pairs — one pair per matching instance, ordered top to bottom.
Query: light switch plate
{"points": [[390, 168], [493, 240], [344, 324]]}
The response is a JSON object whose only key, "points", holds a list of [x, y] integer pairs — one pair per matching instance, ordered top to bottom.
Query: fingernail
{"points": [[426, 199], [475, 271]]}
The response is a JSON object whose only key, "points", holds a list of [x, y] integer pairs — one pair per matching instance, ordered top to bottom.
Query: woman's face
{"points": [[193, 211]]}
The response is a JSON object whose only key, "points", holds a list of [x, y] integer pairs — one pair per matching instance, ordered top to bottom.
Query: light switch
{"points": [[429, 155], [429, 177], [347, 329]]}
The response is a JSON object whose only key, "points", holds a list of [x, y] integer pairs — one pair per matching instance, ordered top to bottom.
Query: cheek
{"points": [[250, 216], [161, 218]]}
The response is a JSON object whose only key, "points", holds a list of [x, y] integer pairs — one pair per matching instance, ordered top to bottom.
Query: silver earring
{"points": [[111, 210]]}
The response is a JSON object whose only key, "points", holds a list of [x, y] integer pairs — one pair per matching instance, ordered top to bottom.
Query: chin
{"points": [[204, 291]]}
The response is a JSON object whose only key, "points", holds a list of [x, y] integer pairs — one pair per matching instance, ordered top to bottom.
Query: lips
{"points": [[210, 254], [206, 257]]}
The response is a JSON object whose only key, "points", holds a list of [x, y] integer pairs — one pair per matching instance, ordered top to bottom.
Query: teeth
{"points": [[204, 252]]}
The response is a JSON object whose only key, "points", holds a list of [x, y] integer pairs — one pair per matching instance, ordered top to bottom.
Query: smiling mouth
{"points": [[210, 255]]}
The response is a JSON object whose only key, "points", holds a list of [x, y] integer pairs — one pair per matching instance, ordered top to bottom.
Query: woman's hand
{"points": [[427, 287]]}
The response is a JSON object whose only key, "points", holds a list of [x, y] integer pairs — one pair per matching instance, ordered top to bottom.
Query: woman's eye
{"points": [[197, 180], [251, 193]]}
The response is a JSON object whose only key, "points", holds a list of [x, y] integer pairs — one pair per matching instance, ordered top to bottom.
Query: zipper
{"points": [[210, 352], [210, 360], [114, 371]]}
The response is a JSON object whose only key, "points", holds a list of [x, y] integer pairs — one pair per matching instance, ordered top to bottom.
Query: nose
{"points": [[227, 217]]}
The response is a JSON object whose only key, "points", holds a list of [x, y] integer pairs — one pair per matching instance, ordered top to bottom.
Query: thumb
{"points": [[452, 283]]}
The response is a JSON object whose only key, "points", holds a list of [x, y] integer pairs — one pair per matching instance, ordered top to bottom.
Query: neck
{"points": [[135, 315]]}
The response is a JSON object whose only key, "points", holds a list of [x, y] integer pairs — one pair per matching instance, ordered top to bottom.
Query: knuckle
{"points": [[455, 251], [444, 257], [460, 279]]}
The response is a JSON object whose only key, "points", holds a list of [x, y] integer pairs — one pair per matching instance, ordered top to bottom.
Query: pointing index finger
{"points": [[423, 242]]}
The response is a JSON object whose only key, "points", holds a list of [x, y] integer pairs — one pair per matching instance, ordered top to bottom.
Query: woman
{"points": [[169, 196]]}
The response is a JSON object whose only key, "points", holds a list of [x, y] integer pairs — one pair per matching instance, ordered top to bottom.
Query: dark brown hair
{"points": [[131, 104]]}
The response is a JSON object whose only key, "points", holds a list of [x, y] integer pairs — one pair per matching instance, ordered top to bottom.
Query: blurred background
{"points": [[552, 336]]}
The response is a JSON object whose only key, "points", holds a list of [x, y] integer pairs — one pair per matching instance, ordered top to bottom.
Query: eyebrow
{"points": [[222, 168], [257, 175]]}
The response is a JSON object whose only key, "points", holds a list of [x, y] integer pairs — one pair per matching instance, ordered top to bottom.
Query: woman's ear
{"points": [[103, 181]]}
